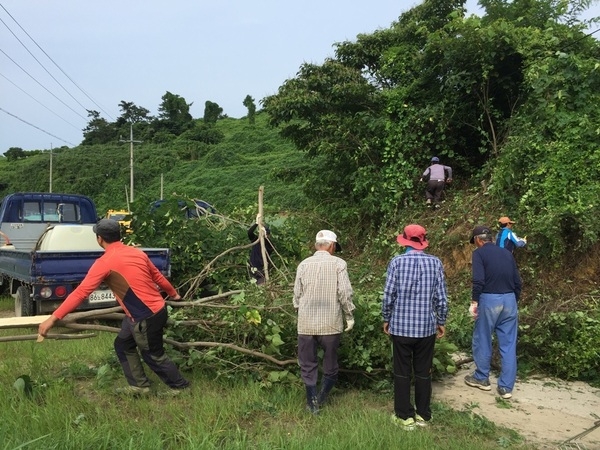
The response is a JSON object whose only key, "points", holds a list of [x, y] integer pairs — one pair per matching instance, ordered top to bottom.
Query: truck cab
{"points": [[25, 215]]}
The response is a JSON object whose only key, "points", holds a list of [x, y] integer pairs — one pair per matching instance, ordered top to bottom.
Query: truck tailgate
{"points": [[73, 266]]}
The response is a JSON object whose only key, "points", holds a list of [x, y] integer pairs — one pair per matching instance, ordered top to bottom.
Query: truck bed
{"points": [[62, 266]]}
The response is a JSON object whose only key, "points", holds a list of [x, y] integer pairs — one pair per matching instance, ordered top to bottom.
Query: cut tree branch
{"points": [[33, 337], [232, 347]]}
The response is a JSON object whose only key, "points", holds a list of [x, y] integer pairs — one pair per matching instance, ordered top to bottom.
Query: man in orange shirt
{"points": [[135, 281]]}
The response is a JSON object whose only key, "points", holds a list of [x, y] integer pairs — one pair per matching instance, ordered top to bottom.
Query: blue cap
{"points": [[435, 159]]}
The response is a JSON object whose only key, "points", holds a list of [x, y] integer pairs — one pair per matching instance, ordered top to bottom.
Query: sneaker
{"points": [[428, 202], [484, 385], [134, 391], [504, 392], [420, 422], [405, 424]]}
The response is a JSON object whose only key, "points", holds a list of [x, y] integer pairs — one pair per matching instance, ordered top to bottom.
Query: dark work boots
{"points": [[326, 386], [312, 404]]}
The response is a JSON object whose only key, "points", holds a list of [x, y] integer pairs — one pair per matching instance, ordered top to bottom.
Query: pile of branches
{"points": [[90, 321]]}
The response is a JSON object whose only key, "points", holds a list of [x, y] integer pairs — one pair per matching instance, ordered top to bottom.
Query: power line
{"points": [[53, 62], [43, 67], [42, 86], [36, 100], [34, 126]]}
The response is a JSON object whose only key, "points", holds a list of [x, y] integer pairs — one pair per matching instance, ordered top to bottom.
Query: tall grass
{"points": [[72, 405]]}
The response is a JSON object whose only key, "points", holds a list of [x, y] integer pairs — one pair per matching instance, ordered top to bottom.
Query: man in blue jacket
{"points": [[507, 238], [495, 292]]}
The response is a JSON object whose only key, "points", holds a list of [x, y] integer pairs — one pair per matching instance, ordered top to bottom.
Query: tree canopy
{"points": [[173, 123]]}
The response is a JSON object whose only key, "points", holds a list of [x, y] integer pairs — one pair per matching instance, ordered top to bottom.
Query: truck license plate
{"points": [[101, 296]]}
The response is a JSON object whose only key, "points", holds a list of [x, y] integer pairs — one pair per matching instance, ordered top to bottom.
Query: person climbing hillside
{"points": [[437, 176], [506, 237]]}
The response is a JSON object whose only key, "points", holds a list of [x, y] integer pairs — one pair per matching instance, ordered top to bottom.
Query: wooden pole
{"points": [[261, 234]]}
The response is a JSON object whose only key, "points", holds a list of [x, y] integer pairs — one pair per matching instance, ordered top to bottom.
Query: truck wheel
{"points": [[24, 302]]}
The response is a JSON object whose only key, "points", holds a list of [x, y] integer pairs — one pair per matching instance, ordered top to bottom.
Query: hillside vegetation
{"points": [[508, 100], [227, 175]]}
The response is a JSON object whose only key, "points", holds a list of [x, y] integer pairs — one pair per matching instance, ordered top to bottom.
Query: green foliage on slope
{"points": [[508, 102], [227, 174]]}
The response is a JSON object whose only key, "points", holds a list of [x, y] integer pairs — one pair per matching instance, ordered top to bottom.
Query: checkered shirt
{"points": [[322, 294], [414, 297]]}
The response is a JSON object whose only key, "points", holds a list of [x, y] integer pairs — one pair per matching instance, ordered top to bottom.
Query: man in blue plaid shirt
{"points": [[414, 309]]}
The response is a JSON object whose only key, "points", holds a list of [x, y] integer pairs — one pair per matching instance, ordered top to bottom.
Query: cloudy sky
{"points": [[60, 58]]}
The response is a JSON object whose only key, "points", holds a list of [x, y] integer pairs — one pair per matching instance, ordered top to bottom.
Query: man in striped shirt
{"points": [[322, 298], [414, 309]]}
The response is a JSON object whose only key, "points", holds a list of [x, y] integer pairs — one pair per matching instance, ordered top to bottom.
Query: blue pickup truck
{"points": [[48, 245]]}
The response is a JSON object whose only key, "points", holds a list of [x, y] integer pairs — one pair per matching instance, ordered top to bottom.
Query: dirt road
{"points": [[544, 411]]}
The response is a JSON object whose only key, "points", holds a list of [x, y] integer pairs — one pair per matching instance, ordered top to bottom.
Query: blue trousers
{"points": [[497, 313]]}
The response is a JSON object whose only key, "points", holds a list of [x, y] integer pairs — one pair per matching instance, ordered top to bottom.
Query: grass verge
{"points": [[60, 394]]}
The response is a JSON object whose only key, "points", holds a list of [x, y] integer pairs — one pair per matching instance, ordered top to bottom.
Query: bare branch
{"points": [[195, 282], [180, 303], [93, 313], [87, 326], [33, 337], [232, 347]]}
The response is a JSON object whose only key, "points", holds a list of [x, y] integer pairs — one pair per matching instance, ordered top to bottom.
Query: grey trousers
{"points": [[147, 336], [309, 362]]}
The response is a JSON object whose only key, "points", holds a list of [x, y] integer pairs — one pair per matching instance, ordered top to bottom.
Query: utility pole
{"points": [[131, 142], [162, 184], [50, 187]]}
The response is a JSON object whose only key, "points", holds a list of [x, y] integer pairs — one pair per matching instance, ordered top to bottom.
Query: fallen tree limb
{"points": [[195, 282], [180, 303], [94, 313], [116, 313], [113, 316], [196, 322], [88, 326], [33, 337], [232, 347], [460, 362]]}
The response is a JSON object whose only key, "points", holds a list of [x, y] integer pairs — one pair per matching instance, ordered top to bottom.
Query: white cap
{"points": [[326, 235]]}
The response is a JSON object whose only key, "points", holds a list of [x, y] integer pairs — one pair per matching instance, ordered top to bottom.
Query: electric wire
{"points": [[53, 62], [41, 65], [41, 85], [37, 101], [34, 126]]}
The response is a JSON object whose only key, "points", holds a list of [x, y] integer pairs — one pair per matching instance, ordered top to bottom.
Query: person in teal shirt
{"points": [[506, 237]]}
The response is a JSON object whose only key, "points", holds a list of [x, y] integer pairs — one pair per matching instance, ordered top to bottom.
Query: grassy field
{"points": [[72, 405]]}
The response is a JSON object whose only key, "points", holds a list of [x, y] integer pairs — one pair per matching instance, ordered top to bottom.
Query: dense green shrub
{"points": [[565, 344]]}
